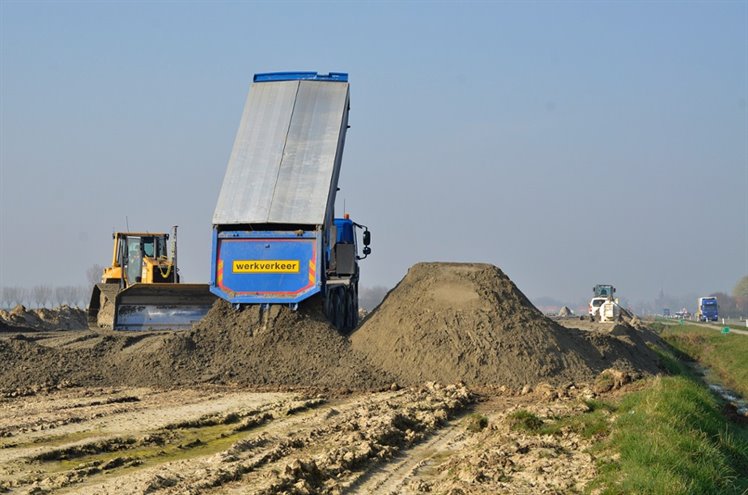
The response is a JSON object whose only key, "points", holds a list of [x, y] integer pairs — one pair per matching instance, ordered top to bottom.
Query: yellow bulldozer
{"points": [[141, 290]]}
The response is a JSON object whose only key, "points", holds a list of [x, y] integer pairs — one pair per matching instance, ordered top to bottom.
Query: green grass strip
{"points": [[672, 438]]}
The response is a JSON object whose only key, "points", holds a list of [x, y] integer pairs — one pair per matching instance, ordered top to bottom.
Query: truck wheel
{"points": [[350, 305], [342, 310]]}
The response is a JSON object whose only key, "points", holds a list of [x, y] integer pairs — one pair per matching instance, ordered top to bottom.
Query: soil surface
{"points": [[468, 322], [220, 440]]}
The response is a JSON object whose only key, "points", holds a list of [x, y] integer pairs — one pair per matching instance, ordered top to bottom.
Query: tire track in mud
{"points": [[112, 411], [171, 439], [276, 440], [355, 441], [223, 442], [302, 445], [51, 449], [499, 457], [407, 472], [392, 477]]}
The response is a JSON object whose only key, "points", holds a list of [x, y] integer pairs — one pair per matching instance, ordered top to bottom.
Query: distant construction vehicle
{"points": [[275, 236], [141, 289], [603, 290], [602, 295], [707, 309]]}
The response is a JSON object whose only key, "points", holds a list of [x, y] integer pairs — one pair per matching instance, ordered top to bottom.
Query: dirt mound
{"points": [[565, 311], [60, 318], [458, 321], [279, 348]]}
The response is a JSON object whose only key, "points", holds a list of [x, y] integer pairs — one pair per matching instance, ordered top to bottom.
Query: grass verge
{"points": [[726, 355], [668, 438], [672, 438]]}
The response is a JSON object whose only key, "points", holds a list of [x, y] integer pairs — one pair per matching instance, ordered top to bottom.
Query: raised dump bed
{"points": [[286, 157], [275, 238]]}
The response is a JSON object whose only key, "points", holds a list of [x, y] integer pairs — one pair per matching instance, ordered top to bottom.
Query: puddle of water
{"points": [[730, 396], [741, 405]]}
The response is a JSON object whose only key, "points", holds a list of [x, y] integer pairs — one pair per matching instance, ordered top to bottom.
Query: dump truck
{"points": [[276, 239], [141, 290]]}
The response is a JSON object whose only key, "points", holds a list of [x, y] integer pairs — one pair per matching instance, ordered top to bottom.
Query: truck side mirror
{"points": [[367, 240]]}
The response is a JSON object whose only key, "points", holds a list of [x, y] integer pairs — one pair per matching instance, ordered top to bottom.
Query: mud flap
{"points": [[162, 306]]}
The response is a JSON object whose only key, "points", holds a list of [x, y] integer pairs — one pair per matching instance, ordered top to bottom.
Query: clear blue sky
{"points": [[569, 143]]}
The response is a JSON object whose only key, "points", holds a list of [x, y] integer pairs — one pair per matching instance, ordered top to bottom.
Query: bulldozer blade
{"points": [[101, 306], [162, 306]]}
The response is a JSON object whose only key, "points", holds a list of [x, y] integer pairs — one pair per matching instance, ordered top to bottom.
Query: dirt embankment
{"points": [[60, 318], [467, 322], [282, 348]]}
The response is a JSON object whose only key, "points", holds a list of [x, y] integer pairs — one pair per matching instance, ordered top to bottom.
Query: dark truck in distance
{"points": [[708, 309]]}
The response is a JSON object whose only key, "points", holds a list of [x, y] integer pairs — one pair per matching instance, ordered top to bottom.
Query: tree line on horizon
{"points": [[43, 296], [736, 304]]}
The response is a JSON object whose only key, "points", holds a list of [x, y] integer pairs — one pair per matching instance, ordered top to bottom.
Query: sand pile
{"points": [[60, 318], [458, 321]]}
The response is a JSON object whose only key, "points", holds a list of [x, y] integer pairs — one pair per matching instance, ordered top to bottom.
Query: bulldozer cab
{"points": [[131, 249], [141, 290]]}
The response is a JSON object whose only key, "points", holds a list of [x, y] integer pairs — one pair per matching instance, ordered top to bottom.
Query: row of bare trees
{"points": [[43, 296]]}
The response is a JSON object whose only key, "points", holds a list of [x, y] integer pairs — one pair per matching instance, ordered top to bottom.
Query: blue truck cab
{"points": [[708, 309]]}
